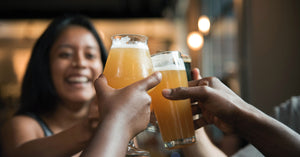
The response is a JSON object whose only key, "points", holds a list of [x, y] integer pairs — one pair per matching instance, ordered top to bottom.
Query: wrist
{"points": [[246, 118], [118, 122], [122, 125], [87, 128], [110, 134]]}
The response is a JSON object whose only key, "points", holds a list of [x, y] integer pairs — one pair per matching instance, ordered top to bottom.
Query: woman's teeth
{"points": [[78, 79]]}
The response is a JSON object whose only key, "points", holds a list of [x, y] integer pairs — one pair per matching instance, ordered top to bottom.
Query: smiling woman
{"points": [[75, 63], [57, 92]]}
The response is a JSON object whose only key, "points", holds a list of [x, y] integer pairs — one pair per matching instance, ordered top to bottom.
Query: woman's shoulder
{"points": [[22, 120], [22, 125], [17, 131]]}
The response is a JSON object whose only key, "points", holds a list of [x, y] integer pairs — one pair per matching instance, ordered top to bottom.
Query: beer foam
{"points": [[125, 42], [163, 63], [166, 68]]}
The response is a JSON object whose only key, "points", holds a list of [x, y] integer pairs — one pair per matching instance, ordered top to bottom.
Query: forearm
{"points": [[268, 135], [110, 139], [65, 143], [58, 145], [203, 147]]}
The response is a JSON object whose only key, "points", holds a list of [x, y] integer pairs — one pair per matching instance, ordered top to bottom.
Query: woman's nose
{"points": [[79, 61]]}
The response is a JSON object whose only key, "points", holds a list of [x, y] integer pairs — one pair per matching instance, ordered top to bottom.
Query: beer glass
{"points": [[128, 61], [174, 117]]}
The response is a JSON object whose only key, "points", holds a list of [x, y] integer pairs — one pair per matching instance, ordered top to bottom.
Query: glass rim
{"points": [[128, 34], [165, 52]]}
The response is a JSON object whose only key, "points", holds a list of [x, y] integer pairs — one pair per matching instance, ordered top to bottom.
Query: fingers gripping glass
{"points": [[128, 61], [174, 116]]}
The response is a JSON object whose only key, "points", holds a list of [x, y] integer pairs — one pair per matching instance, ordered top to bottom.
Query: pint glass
{"points": [[128, 61], [174, 116]]}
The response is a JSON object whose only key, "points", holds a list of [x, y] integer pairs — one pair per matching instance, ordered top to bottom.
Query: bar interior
{"points": [[251, 46]]}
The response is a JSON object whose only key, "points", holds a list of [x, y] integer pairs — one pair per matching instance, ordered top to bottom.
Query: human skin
{"points": [[222, 107], [124, 113]]}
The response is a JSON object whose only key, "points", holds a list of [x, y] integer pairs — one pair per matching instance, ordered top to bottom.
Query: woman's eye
{"points": [[65, 55], [90, 56]]}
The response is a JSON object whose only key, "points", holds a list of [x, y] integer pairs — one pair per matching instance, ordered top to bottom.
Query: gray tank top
{"points": [[47, 131]]}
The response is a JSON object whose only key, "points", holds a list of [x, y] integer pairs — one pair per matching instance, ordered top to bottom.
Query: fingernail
{"points": [[158, 74], [166, 92]]}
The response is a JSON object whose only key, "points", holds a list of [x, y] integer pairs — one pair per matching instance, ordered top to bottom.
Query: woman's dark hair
{"points": [[38, 94]]}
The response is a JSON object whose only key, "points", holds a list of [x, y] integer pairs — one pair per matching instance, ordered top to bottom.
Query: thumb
{"points": [[196, 74], [149, 82], [101, 86]]}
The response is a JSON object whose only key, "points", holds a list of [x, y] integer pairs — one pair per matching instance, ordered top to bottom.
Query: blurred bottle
{"points": [[187, 63]]}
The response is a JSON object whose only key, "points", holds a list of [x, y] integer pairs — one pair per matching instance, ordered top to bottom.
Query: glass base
{"points": [[179, 143], [132, 151]]}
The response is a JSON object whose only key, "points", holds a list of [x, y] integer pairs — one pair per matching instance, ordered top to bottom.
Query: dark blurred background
{"points": [[92, 8], [251, 45]]}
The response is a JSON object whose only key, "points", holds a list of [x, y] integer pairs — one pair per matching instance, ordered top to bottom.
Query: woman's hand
{"points": [[129, 105], [123, 114]]}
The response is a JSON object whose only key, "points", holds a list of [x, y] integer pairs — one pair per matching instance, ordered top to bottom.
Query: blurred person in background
{"points": [[288, 113], [58, 114]]}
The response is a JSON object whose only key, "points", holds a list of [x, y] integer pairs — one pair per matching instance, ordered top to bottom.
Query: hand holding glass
{"points": [[128, 61], [174, 116]]}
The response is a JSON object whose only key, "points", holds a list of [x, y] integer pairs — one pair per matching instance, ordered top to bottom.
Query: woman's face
{"points": [[75, 63]]}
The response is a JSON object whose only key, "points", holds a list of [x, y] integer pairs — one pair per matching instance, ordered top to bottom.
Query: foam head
{"points": [[128, 42], [168, 60]]}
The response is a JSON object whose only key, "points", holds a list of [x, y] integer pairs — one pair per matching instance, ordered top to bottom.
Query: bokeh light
{"points": [[204, 24], [195, 40]]}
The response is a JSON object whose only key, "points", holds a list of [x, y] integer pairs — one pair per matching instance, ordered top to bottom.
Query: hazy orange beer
{"points": [[128, 61], [174, 116]]}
